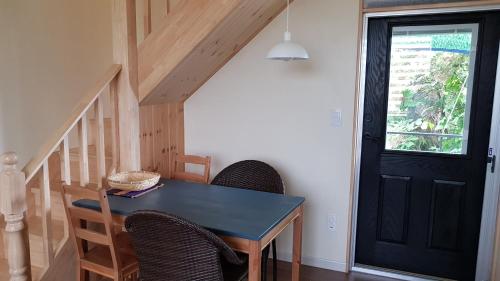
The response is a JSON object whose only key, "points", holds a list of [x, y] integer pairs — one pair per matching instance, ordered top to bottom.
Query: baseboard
{"points": [[316, 262]]}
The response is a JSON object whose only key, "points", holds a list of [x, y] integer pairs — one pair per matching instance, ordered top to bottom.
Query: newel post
{"points": [[13, 205]]}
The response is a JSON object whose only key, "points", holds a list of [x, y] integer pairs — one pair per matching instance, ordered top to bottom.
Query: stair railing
{"points": [[13, 182]]}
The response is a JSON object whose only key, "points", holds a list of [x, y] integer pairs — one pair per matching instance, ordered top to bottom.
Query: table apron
{"points": [[243, 244]]}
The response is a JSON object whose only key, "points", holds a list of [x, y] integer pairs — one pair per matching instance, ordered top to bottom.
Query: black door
{"points": [[427, 114]]}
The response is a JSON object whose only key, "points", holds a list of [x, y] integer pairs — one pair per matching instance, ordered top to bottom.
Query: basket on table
{"points": [[133, 181]]}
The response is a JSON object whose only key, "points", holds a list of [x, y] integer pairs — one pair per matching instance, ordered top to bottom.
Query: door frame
{"points": [[488, 222]]}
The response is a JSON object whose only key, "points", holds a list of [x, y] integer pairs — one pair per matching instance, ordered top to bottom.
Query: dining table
{"points": [[246, 220]]}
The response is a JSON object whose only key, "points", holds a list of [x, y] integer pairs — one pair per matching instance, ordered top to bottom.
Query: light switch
{"points": [[336, 118]]}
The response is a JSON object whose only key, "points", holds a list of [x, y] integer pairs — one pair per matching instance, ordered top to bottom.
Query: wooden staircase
{"points": [[194, 42]]}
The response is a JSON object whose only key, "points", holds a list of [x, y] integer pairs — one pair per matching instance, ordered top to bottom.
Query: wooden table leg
{"points": [[297, 245], [254, 261]]}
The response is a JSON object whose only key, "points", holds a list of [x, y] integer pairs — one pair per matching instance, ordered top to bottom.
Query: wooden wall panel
{"points": [[162, 135]]}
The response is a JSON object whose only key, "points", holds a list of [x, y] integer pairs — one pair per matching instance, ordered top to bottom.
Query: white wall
{"points": [[51, 51], [279, 113]]}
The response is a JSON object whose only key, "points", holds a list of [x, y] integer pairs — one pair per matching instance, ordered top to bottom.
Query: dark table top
{"points": [[223, 210]]}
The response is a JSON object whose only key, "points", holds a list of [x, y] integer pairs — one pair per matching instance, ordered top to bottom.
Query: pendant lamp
{"points": [[287, 50]]}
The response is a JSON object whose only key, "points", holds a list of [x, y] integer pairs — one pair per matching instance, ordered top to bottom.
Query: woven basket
{"points": [[133, 181]]}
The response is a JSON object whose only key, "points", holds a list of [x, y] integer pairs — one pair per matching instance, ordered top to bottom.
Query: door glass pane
{"points": [[430, 88]]}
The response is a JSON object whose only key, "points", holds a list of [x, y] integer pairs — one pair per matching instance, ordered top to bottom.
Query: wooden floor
{"points": [[308, 273]]}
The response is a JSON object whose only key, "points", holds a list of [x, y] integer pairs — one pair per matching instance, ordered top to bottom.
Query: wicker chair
{"points": [[254, 175], [171, 248]]}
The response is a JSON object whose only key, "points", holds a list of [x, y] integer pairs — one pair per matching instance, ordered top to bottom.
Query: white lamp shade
{"points": [[288, 50]]}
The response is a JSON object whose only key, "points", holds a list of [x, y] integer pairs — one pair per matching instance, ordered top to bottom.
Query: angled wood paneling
{"points": [[194, 42]]}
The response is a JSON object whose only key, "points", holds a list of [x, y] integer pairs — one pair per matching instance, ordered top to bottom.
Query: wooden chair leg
{"points": [[275, 261], [81, 276]]}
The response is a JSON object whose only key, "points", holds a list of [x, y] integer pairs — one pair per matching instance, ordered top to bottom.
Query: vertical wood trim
{"points": [[147, 18], [125, 53], [355, 122], [180, 132], [115, 135], [146, 137], [171, 137], [155, 138], [166, 140], [99, 142], [160, 150], [83, 151], [65, 161], [46, 209], [495, 273]]}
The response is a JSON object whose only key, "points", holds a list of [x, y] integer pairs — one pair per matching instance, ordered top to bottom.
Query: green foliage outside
{"points": [[435, 103]]}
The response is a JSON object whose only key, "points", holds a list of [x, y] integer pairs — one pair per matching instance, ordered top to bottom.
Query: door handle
{"points": [[369, 136], [492, 160]]}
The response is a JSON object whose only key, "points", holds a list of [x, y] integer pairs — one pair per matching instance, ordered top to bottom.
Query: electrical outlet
{"points": [[332, 222]]}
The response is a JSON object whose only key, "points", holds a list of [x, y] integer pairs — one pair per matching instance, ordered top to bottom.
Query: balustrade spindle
{"points": [[99, 142], [83, 151]]}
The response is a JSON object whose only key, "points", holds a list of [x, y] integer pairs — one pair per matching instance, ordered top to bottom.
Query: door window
{"points": [[430, 88]]}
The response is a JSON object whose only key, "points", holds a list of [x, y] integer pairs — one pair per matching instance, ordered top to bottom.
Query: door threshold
{"points": [[390, 273]]}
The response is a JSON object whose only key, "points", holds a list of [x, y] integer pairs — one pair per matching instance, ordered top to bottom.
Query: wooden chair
{"points": [[181, 174], [110, 253]]}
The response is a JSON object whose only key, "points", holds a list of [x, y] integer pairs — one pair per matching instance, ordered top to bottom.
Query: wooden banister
{"points": [[85, 103], [13, 183], [13, 206]]}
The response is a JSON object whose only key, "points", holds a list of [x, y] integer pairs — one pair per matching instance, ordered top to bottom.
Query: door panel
{"points": [[428, 94], [446, 218], [392, 222]]}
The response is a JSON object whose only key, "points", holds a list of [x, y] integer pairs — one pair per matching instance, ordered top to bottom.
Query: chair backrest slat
{"points": [[180, 162], [186, 176], [77, 192], [85, 214], [92, 236]]}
